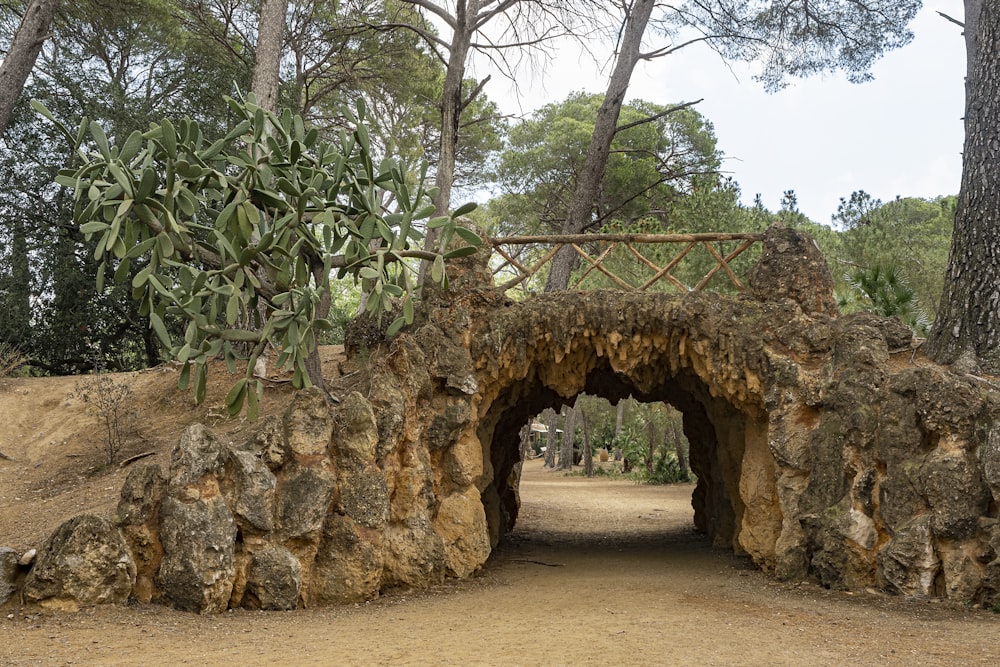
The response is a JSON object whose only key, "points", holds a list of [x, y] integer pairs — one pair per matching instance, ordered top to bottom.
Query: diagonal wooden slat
{"points": [[599, 260], [723, 264], [665, 272], [517, 280], [618, 281]]}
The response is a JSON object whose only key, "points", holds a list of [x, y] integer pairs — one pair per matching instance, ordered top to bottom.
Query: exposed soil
{"points": [[597, 572]]}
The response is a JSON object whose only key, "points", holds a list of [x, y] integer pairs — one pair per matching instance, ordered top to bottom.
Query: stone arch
{"points": [[679, 350], [826, 448]]}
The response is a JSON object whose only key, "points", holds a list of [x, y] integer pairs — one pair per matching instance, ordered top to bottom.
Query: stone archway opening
{"points": [[728, 443]]}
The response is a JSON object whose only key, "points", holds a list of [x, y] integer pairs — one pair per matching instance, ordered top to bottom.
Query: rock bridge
{"points": [[825, 447]]}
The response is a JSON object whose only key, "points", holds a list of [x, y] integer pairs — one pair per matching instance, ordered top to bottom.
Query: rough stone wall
{"points": [[825, 448]]}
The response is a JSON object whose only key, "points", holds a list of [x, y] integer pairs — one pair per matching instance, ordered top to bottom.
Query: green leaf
{"points": [[40, 108], [169, 138], [101, 139], [130, 147], [465, 208], [438, 222], [93, 227], [468, 236], [164, 246], [461, 252], [437, 270], [140, 279], [233, 309], [394, 328], [160, 330], [185, 378], [200, 380], [235, 397], [253, 408]]}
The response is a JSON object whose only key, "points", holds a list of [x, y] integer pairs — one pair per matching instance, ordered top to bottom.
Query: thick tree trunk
{"points": [[23, 52], [267, 59], [588, 181], [968, 323], [588, 455]]}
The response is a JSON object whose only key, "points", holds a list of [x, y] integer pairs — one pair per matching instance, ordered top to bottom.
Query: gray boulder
{"points": [[198, 539], [84, 562], [8, 573], [274, 580]]}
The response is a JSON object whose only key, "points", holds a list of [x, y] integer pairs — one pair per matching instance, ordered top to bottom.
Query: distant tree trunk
{"points": [[21, 55], [267, 58], [591, 174], [19, 288], [968, 323], [619, 419], [552, 426], [525, 440], [566, 443], [679, 445], [650, 446], [588, 456]]}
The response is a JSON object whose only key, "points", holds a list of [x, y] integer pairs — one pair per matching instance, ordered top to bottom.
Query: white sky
{"points": [[823, 137]]}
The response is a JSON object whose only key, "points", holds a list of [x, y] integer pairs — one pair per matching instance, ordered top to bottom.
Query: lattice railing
{"points": [[597, 250]]}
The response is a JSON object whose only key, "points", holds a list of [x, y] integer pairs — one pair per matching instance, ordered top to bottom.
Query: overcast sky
{"points": [[899, 135]]}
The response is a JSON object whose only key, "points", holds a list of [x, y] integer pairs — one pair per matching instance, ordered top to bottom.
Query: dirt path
{"points": [[597, 573]]}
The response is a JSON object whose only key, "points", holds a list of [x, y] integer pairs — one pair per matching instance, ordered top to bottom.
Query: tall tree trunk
{"points": [[23, 52], [267, 57], [451, 105], [451, 117], [591, 174], [19, 289], [968, 323], [552, 424], [566, 443]]}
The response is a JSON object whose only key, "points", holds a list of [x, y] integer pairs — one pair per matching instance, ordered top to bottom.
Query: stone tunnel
{"points": [[825, 447]]}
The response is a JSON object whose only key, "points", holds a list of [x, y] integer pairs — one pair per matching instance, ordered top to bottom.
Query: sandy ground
{"points": [[598, 572]]}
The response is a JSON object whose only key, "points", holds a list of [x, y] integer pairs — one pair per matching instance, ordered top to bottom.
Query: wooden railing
{"points": [[596, 249]]}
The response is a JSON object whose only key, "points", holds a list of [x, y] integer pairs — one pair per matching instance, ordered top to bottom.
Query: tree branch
{"points": [[953, 20], [650, 119]]}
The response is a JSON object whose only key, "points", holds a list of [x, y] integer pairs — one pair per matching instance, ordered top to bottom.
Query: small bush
{"points": [[114, 404], [665, 471]]}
